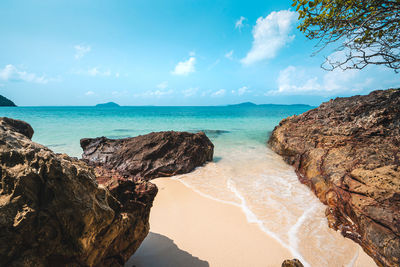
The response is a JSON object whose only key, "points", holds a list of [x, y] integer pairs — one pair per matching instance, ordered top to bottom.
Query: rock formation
{"points": [[347, 151], [149, 156], [54, 213]]}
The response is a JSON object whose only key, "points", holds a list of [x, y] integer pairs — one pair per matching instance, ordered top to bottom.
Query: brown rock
{"points": [[16, 126], [347, 151], [151, 155], [54, 213], [292, 263]]}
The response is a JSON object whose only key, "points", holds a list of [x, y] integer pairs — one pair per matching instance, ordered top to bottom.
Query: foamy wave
{"points": [[269, 194], [252, 218]]}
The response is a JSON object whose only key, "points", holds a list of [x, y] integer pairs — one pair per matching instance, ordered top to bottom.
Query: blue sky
{"points": [[183, 52]]}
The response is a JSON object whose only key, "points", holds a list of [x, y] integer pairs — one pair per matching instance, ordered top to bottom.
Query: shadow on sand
{"points": [[158, 250]]}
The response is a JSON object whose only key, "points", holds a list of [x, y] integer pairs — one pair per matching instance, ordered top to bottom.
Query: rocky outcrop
{"points": [[347, 152], [149, 156], [54, 213], [292, 263]]}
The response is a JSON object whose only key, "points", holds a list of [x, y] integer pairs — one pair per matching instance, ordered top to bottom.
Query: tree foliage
{"points": [[368, 31]]}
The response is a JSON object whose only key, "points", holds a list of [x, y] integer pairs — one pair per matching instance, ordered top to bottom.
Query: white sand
{"points": [[188, 229]]}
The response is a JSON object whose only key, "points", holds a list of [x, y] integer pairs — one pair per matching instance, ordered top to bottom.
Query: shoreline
{"points": [[189, 228], [213, 232]]}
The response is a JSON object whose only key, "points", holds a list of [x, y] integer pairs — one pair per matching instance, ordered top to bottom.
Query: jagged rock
{"points": [[16, 126], [347, 152], [151, 155], [54, 213], [292, 263]]}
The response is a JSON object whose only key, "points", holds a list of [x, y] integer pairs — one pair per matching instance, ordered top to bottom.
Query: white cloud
{"points": [[239, 23], [270, 35], [81, 50], [192, 53], [229, 55], [185, 67], [95, 71], [12, 73], [117, 75], [294, 80], [162, 85], [242, 90], [189, 92], [89, 93], [155, 93], [159, 93], [219, 93]]}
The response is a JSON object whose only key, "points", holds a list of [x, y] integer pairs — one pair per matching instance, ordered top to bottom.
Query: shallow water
{"points": [[245, 172]]}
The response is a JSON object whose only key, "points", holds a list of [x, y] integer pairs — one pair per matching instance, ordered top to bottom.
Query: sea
{"points": [[244, 172]]}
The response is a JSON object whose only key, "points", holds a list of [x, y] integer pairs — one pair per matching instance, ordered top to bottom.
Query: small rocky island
{"points": [[5, 102], [108, 105], [348, 152], [58, 211]]}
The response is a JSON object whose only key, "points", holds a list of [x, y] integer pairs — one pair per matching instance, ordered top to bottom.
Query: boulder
{"points": [[8, 124], [348, 152], [151, 155], [53, 212], [292, 263]]}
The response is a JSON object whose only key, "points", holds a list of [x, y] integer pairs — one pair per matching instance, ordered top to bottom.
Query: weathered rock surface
{"points": [[16, 126], [347, 152], [151, 155], [54, 213], [292, 263]]}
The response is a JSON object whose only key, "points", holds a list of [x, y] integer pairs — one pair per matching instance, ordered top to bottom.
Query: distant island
{"points": [[5, 102], [244, 104], [251, 104], [108, 105]]}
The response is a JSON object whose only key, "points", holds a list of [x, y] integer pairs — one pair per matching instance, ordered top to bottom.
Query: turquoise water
{"points": [[61, 128], [244, 173]]}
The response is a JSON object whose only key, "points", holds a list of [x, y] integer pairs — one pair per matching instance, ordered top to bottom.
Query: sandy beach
{"points": [[188, 229]]}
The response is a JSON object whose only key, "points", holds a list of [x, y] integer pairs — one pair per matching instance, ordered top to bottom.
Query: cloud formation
{"points": [[239, 23], [270, 34], [81, 50], [229, 55], [185, 67], [95, 71], [12, 73], [297, 81], [162, 85], [241, 91], [189, 92], [89, 93], [155, 93], [219, 93]]}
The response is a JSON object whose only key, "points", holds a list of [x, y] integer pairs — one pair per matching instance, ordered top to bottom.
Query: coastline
{"points": [[190, 229]]}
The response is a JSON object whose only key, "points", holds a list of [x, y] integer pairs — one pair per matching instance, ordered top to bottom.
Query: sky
{"points": [[176, 52]]}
